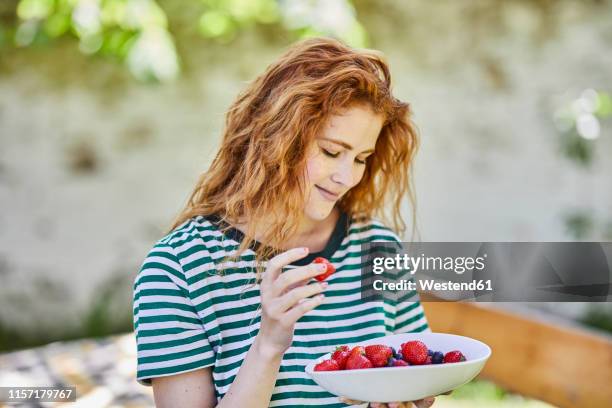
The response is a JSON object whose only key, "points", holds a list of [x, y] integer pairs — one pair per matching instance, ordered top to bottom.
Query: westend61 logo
{"points": [[412, 264], [488, 271]]}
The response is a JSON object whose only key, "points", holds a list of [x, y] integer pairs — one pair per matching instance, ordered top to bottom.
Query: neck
{"points": [[309, 227], [310, 233]]}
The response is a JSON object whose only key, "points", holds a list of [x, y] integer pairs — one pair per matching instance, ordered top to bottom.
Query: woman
{"points": [[225, 309]]}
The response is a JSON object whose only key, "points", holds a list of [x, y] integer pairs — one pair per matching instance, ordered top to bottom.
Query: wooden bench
{"points": [[558, 364]]}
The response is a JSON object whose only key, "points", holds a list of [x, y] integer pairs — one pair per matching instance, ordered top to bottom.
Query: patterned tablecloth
{"points": [[103, 371]]}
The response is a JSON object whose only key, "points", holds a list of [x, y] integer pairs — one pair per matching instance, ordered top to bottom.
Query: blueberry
{"points": [[430, 352], [398, 355], [437, 357], [391, 361]]}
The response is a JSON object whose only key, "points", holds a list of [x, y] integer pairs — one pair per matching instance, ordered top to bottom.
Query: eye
{"points": [[330, 154], [334, 155]]}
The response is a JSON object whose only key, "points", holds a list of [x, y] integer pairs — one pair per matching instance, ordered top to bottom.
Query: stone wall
{"points": [[94, 166]]}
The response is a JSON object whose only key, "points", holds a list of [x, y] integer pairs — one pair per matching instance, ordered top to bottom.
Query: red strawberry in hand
{"points": [[330, 269], [415, 352], [378, 354], [341, 355], [454, 356], [357, 359], [327, 365]]}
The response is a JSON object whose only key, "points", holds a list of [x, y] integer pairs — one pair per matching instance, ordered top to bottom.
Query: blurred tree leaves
{"points": [[137, 32], [580, 123]]}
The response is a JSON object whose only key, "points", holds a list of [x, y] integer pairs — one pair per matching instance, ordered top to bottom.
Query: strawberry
{"points": [[330, 268], [357, 350], [415, 352], [378, 354], [341, 355], [454, 356], [357, 359], [400, 363], [327, 365]]}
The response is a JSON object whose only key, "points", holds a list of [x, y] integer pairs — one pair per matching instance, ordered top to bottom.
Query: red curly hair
{"points": [[259, 168]]}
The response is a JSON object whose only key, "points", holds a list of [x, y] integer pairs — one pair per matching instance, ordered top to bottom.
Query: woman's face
{"points": [[336, 159]]}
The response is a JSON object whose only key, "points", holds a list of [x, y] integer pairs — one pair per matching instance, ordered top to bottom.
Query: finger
{"points": [[275, 265], [293, 276], [297, 284], [290, 299], [294, 314], [350, 401], [424, 403], [406, 404], [378, 405]]}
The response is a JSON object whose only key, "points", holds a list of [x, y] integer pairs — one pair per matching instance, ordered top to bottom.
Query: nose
{"points": [[343, 174]]}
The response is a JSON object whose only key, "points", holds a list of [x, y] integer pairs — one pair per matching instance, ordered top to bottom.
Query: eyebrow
{"points": [[345, 145]]}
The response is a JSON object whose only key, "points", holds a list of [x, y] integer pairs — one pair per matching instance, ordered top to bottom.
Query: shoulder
{"points": [[193, 228], [192, 243]]}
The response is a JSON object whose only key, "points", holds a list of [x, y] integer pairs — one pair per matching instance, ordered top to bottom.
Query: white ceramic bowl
{"points": [[388, 384]]}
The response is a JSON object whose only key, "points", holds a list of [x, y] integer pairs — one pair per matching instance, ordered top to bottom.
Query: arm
{"points": [[256, 378], [255, 381], [191, 389], [195, 389]]}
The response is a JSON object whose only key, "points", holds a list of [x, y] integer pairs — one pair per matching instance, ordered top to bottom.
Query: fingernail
{"points": [[322, 267], [324, 284]]}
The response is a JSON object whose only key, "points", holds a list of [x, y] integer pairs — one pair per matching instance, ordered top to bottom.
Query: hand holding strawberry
{"points": [[285, 298]]}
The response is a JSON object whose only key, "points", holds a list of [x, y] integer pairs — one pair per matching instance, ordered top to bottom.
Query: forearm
{"points": [[255, 380]]}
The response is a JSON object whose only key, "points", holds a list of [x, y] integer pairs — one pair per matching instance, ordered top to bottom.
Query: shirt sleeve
{"points": [[170, 337]]}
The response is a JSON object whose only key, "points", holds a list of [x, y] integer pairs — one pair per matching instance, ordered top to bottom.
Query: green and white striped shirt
{"points": [[187, 316]]}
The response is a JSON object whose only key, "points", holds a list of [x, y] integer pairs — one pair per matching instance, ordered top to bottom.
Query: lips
{"points": [[327, 194]]}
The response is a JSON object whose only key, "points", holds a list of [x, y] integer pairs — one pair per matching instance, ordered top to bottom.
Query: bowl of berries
{"points": [[400, 367]]}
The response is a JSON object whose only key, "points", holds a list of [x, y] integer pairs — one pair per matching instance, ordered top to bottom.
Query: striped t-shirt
{"points": [[187, 316]]}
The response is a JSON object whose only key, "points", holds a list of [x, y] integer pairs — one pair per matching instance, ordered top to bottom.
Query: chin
{"points": [[319, 212]]}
